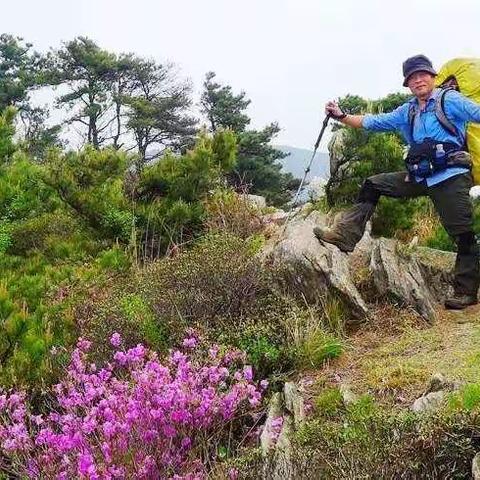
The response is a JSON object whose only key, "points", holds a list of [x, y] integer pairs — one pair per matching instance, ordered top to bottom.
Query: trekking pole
{"points": [[307, 170]]}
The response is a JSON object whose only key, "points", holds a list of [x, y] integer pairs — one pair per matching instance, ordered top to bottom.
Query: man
{"points": [[437, 166]]}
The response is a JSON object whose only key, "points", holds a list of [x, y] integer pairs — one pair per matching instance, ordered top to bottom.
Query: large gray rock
{"points": [[256, 200], [278, 217], [311, 266], [437, 270], [399, 276], [412, 276], [429, 402], [294, 403], [276, 446]]}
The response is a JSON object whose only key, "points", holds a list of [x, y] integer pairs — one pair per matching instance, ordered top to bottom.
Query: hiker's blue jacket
{"points": [[459, 110]]}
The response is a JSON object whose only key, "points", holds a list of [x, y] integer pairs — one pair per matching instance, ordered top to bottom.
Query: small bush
{"points": [[229, 212], [394, 217], [430, 231], [5, 237], [440, 240], [114, 259], [217, 279], [141, 316], [317, 348], [264, 349], [468, 398], [328, 402], [365, 440]]}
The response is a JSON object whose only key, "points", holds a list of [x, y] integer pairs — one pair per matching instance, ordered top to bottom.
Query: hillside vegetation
{"points": [[143, 334]]}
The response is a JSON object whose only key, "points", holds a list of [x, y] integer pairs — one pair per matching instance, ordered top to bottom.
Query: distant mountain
{"points": [[297, 162]]}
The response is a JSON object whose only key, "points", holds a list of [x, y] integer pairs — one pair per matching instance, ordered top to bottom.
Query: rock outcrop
{"points": [[256, 200], [312, 267], [399, 276], [414, 277], [286, 413]]}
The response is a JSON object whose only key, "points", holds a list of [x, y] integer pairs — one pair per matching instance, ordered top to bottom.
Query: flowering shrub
{"points": [[135, 418]]}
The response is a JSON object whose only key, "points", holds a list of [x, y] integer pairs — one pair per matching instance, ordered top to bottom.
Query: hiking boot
{"points": [[328, 235], [460, 301]]}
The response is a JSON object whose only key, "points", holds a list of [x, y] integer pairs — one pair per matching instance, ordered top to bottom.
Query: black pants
{"points": [[453, 204]]}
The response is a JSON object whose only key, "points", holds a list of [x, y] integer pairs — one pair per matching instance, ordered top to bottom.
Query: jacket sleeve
{"points": [[461, 107], [387, 122]]}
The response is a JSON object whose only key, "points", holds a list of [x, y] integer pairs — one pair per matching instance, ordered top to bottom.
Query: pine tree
{"points": [[257, 167]]}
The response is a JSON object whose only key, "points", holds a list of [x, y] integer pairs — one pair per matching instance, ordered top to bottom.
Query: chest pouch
{"points": [[426, 158]]}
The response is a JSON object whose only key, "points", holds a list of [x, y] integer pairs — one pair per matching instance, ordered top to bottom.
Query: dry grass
{"points": [[230, 212], [425, 224], [394, 355]]}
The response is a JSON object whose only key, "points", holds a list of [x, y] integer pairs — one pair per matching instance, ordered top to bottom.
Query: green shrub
{"points": [[170, 194], [394, 217], [5, 237], [440, 240], [115, 259], [218, 278], [217, 287], [124, 311], [136, 311], [265, 350], [468, 398], [328, 402], [366, 440]]}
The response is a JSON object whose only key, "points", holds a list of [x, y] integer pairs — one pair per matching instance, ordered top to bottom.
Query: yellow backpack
{"points": [[466, 71]]}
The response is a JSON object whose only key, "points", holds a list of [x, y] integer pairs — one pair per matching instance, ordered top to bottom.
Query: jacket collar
{"points": [[435, 92]]}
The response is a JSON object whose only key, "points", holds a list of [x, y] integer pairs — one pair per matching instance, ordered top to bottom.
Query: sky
{"points": [[289, 56]]}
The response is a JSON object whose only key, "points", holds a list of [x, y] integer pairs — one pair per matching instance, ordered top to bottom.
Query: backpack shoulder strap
{"points": [[412, 113], [440, 113]]}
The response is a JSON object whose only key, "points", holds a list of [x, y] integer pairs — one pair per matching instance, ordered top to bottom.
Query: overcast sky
{"points": [[290, 56]]}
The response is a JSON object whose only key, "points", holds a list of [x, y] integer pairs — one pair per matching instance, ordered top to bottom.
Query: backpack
{"points": [[466, 72]]}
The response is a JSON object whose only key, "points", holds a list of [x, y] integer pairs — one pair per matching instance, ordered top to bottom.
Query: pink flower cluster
{"points": [[135, 418]]}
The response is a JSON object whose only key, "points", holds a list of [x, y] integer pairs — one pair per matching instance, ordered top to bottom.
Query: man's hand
{"points": [[332, 109]]}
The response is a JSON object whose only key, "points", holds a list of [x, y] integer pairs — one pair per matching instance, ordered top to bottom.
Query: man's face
{"points": [[421, 84]]}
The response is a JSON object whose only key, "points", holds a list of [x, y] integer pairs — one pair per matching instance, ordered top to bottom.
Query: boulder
{"points": [[338, 166], [256, 200], [278, 217], [311, 266], [437, 270], [399, 276], [412, 276], [428, 403], [276, 445], [280, 464]]}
